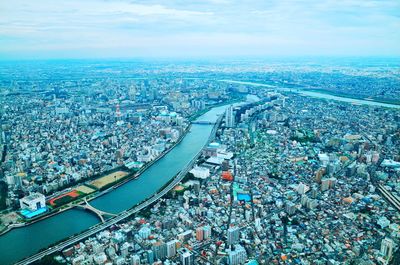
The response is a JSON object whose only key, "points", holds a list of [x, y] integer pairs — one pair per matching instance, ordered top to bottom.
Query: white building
{"points": [[229, 117], [200, 172], [33, 202], [144, 232], [387, 246], [171, 248], [186, 256], [237, 256]]}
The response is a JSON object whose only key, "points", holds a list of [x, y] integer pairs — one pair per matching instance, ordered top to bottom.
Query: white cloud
{"points": [[210, 26]]}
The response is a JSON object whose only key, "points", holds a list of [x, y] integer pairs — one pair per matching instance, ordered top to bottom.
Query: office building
{"points": [[229, 117], [290, 208], [144, 232], [206, 232], [199, 233], [233, 235], [387, 246], [171, 248], [160, 250], [237, 255], [150, 256], [186, 256]]}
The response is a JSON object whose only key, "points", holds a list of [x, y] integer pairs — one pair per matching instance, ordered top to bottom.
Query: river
{"points": [[316, 94], [22, 242]]}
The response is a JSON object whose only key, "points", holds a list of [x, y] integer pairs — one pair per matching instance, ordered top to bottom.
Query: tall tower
{"points": [[118, 115], [229, 118]]}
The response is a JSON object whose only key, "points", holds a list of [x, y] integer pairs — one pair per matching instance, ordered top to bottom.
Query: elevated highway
{"points": [[389, 197], [123, 215]]}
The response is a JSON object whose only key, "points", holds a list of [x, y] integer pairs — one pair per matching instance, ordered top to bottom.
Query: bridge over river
{"points": [[86, 206], [121, 216], [75, 225]]}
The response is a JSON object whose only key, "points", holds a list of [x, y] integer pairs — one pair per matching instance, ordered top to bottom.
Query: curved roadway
{"points": [[97, 228]]}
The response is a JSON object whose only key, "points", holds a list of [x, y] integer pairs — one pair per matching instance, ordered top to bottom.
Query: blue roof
{"points": [[29, 214]]}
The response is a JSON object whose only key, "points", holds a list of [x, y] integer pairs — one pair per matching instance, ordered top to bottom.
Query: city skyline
{"points": [[218, 28], [205, 132]]}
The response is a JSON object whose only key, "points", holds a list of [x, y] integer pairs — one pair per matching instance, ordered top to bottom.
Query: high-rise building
{"points": [[132, 92], [229, 117], [319, 174], [328, 183], [324, 184], [301, 189], [290, 208], [257, 223], [144, 232], [206, 232], [199, 233], [233, 235], [171, 248], [387, 248], [160, 250], [237, 255], [150, 256], [186, 256]]}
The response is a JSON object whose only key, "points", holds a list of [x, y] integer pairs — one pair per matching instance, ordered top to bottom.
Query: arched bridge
{"points": [[85, 205]]}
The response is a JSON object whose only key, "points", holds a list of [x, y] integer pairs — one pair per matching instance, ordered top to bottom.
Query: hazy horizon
{"points": [[97, 29]]}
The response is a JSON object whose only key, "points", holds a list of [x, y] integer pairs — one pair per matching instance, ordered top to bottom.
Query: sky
{"points": [[47, 29]]}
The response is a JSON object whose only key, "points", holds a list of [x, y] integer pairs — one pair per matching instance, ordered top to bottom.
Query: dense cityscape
{"points": [[207, 132], [234, 163]]}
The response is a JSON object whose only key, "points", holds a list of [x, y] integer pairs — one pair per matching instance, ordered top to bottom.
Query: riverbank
{"points": [[323, 91], [321, 94], [207, 109], [142, 193], [97, 194]]}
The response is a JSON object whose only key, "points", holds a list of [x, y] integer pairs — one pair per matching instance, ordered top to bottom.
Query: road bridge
{"points": [[203, 122], [86, 206], [123, 215]]}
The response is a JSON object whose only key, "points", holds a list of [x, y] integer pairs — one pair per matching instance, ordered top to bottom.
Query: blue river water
{"points": [[316, 94], [23, 242]]}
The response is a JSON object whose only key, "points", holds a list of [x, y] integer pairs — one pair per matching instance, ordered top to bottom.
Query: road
{"points": [[389, 196], [123, 215], [112, 221]]}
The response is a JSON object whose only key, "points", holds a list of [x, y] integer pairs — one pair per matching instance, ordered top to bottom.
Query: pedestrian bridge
{"points": [[101, 214]]}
